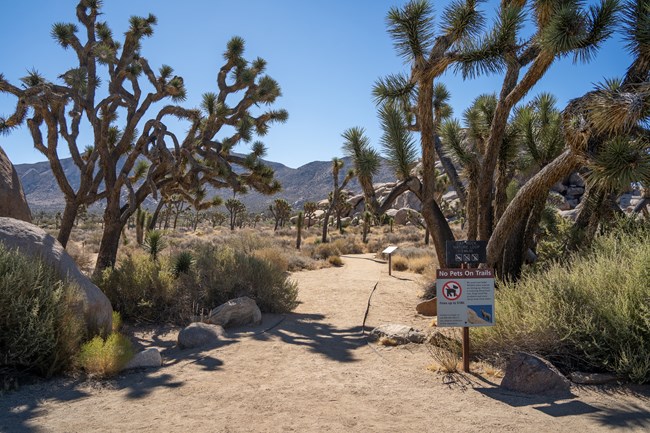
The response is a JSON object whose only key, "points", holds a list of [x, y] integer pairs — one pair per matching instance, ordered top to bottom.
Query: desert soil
{"points": [[314, 371]]}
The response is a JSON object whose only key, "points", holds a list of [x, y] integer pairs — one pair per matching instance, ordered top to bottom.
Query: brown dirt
{"points": [[313, 370]]}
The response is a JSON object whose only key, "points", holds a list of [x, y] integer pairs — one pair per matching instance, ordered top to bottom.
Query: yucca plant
{"points": [[154, 243], [182, 263]]}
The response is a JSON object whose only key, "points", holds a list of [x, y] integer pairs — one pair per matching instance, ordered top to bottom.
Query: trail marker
{"points": [[389, 251]]}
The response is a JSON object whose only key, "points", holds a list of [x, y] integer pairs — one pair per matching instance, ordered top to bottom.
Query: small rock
{"points": [[577, 180], [575, 191], [428, 308], [239, 311], [199, 334], [401, 334], [148, 358], [533, 375], [592, 378]]}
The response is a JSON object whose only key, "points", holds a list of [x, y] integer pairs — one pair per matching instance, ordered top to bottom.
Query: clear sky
{"points": [[325, 54]]}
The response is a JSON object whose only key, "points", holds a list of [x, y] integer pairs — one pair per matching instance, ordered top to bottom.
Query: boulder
{"points": [[577, 180], [559, 187], [575, 191], [450, 196], [408, 199], [13, 203], [391, 212], [404, 215], [35, 242], [428, 308], [240, 311], [199, 334], [400, 334], [148, 358], [532, 374]]}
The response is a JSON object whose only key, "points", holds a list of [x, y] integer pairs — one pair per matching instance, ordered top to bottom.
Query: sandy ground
{"points": [[314, 371]]}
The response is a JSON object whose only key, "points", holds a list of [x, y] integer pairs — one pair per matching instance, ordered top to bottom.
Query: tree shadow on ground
{"points": [[309, 330], [556, 405]]}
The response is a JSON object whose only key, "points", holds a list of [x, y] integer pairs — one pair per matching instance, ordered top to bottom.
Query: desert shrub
{"points": [[348, 245], [325, 251], [273, 255], [83, 260], [335, 261], [299, 262], [400, 263], [420, 264], [225, 273], [142, 289], [591, 313], [117, 322], [39, 330], [107, 357]]}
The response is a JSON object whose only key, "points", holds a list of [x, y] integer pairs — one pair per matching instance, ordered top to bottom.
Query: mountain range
{"points": [[310, 182]]}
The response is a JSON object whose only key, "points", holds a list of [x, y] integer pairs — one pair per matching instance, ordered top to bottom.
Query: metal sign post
{"points": [[389, 251], [465, 296]]}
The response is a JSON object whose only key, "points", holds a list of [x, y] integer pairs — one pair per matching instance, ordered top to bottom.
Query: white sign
{"points": [[389, 250], [465, 297]]}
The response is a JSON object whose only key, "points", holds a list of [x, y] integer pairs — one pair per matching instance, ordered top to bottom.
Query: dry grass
{"points": [[335, 261], [400, 263], [387, 341]]}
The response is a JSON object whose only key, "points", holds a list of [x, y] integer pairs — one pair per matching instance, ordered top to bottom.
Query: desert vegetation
{"points": [[561, 291]]}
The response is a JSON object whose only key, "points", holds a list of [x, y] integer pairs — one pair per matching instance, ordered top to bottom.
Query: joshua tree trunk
{"points": [[561, 167], [452, 174], [156, 214], [433, 216], [67, 222], [109, 245]]}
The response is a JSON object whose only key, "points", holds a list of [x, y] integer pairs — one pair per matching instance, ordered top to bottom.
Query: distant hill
{"points": [[310, 182]]}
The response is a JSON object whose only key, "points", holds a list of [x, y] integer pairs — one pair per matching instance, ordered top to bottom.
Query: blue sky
{"points": [[326, 55]]}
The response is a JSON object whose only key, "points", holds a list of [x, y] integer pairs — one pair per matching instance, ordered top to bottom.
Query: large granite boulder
{"points": [[12, 198], [35, 242], [428, 308], [239, 311], [199, 334], [399, 334], [532, 374]]}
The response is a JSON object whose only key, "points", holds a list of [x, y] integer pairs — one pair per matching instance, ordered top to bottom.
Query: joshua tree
{"points": [[562, 28], [429, 55], [590, 124], [194, 161], [366, 162], [337, 165], [235, 209], [310, 209], [281, 211]]}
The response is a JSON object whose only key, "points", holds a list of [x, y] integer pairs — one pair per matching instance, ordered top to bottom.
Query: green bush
{"points": [[225, 273], [142, 289], [592, 313], [39, 331], [106, 358]]}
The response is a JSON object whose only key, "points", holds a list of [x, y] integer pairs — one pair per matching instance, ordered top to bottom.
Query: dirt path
{"points": [[313, 371]]}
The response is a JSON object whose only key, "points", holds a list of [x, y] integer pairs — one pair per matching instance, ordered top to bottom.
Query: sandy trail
{"points": [[313, 370]]}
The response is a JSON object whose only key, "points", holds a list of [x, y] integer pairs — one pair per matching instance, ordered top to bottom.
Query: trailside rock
{"points": [[13, 203], [33, 241], [428, 308], [239, 311], [199, 334], [401, 334], [148, 358], [533, 375], [592, 378]]}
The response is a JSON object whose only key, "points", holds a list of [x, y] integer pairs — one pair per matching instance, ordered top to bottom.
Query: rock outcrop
{"points": [[13, 203], [35, 242], [239, 311], [199, 334], [399, 334], [534, 375]]}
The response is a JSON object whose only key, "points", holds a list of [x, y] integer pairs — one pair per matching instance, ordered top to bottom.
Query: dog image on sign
{"points": [[479, 314]]}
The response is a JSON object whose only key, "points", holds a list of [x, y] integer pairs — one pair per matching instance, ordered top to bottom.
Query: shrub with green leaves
{"points": [[226, 273], [143, 290], [591, 313], [39, 330], [106, 357]]}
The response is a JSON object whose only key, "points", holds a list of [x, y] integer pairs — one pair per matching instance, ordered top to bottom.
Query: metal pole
{"points": [[465, 340]]}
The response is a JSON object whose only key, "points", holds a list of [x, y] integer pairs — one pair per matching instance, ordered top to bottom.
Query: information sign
{"points": [[469, 252], [465, 297]]}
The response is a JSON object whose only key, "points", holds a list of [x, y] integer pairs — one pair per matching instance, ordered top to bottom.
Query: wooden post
{"points": [[390, 264], [465, 339]]}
